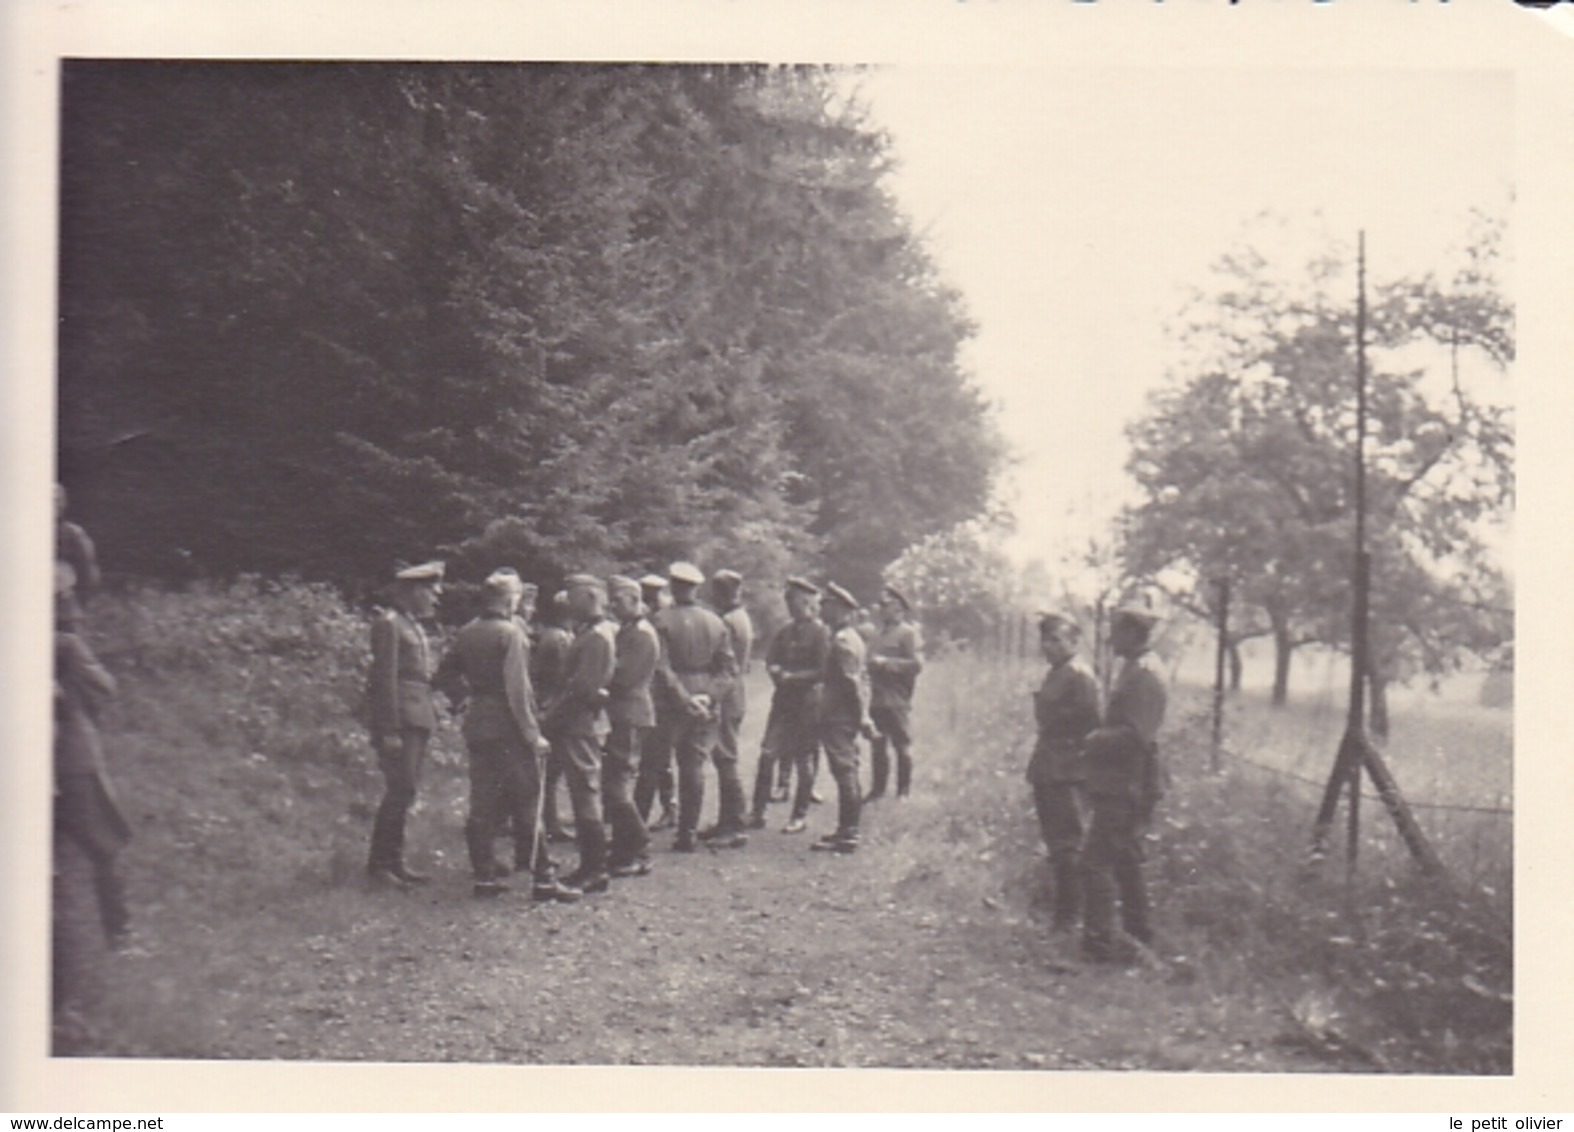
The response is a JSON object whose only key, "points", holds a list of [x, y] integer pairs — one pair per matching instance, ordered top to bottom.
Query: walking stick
{"points": [[541, 797]]}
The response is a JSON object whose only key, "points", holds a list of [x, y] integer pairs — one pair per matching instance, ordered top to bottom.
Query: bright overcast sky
{"points": [[1073, 208]]}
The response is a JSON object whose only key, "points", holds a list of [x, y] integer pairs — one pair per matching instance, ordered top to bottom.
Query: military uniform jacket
{"points": [[73, 546], [741, 630], [638, 651], [798, 651], [697, 656], [546, 661], [488, 668], [891, 682], [399, 688], [844, 688], [577, 706], [1066, 708], [1122, 755]]}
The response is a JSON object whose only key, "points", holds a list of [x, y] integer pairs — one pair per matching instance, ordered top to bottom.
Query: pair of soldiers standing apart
{"points": [[895, 659], [1116, 765]]}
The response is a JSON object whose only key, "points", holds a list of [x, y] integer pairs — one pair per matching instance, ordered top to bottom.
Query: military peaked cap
{"points": [[429, 572], [686, 572], [727, 578], [584, 581], [618, 583], [808, 587], [841, 595], [900, 598]]}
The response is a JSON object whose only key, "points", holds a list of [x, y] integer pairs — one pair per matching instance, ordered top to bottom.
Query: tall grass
{"points": [[1406, 971]]}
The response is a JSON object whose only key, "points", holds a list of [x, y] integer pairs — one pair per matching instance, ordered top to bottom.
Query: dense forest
{"points": [[317, 317]]}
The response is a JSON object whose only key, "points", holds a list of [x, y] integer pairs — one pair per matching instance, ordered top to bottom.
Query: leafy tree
{"points": [[316, 317], [1245, 460], [961, 581]]}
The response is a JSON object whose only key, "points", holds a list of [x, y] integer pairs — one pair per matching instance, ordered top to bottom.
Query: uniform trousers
{"points": [[891, 725], [840, 740], [693, 741], [791, 741], [401, 766], [619, 768], [582, 772], [655, 779], [729, 779], [505, 781], [1112, 863]]}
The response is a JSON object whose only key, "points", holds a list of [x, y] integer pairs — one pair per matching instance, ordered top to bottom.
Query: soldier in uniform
{"points": [[727, 590], [895, 659], [795, 663], [487, 672], [696, 672], [546, 673], [399, 696], [1066, 708], [844, 712], [631, 714], [574, 717], [656, 780], [1124, 783], [88, 818]]}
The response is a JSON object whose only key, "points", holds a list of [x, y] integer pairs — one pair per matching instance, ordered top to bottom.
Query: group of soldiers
{"points": [[622, 681]]}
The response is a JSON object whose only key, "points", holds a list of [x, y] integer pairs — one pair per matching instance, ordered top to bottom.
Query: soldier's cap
{"points": [[429, 573], [686, 573], [65, 578], [726, 578], [505, 580], [584, 581], [653, 582], [619, 583], [808, 587], [530, 590], [841, 595], [899, 597], [560, 600], [1137, 610], [1050, 620]]}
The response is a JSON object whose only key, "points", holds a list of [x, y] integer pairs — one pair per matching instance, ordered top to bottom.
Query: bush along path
{"points": [[256, 937]]}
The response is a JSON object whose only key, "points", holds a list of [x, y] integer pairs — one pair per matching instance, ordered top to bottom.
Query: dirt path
{"points": [[771, 955]]}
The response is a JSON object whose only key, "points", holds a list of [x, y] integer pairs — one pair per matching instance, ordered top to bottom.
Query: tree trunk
{"points": [[1283, 649], [1235, 666], [1377, 709]]}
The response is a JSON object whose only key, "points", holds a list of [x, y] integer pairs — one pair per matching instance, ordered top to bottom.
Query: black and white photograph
{"points": [[807, 553]]}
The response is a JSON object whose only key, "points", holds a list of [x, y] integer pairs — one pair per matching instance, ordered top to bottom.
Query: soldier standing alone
{"points": [[399, 696], [1066, 708], [1124, 782]]}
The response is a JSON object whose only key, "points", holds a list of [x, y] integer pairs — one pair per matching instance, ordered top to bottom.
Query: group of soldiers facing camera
{"points": [[608, 704]]}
